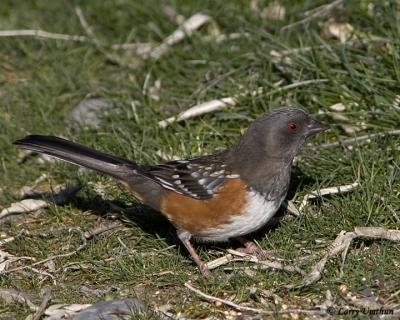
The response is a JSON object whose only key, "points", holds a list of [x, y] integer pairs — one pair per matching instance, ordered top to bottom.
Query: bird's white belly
{"points": [[258, 211]]}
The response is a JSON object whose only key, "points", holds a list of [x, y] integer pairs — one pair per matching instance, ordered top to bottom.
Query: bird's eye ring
{"points": [[292, 126]]}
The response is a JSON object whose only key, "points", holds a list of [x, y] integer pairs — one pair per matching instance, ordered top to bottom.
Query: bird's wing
{"points": [[199, 178]]}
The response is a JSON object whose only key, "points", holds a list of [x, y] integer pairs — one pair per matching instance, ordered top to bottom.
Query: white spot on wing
{"points": [[217, 173], [232, 176], [164, 182]]}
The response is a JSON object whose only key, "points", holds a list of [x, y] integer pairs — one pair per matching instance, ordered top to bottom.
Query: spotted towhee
{"points": [[214, 197]]}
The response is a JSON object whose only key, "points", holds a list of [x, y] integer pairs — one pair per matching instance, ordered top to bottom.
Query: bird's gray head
{"points": [[279, 133]]}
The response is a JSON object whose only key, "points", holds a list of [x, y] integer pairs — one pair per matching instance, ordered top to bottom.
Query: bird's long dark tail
{"points": [[78, 154]]}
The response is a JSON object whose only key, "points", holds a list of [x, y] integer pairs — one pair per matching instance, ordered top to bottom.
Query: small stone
{"points": [[339, 107], [89, 112], [343, 288], [218, 304]]}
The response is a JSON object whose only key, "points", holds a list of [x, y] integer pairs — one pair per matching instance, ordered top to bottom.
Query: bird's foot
{"points": [[251, 248]]}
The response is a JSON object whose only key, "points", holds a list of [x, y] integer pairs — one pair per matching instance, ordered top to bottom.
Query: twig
{"points": [[317, 12], [186, 29], [43, 34], [154, 51], [215, 105], [200, 109], [355, 140], [327, 191], [95, 232], [340, 244], [264, 264], [42, 273], [11, 295], [226, 302], [42, 308], [254, 310]]}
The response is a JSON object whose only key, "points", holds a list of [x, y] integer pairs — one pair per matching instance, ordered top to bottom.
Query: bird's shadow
{"points": [[155, 224]]}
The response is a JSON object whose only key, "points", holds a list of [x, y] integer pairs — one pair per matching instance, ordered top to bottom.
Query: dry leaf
{"points": [[274, 11], [339, 30], [154, 91], [350, 129], [27, 205], [5, 260], [64, 311]]}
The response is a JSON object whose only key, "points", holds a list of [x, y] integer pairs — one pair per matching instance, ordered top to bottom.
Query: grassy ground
{"points": [[41, 80]]}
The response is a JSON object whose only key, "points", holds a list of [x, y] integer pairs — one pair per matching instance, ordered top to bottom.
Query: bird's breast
{"points": [[235, 210], [255, 214], [195, 216]]}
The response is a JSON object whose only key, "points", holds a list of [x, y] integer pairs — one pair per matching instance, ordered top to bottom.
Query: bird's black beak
{"points": [[315, 127]]}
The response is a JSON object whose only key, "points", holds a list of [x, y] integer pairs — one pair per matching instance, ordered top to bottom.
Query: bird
{"points": [[210, 198]]}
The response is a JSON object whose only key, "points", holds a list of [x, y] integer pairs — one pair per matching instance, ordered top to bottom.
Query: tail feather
{"points": [[77, 154]]}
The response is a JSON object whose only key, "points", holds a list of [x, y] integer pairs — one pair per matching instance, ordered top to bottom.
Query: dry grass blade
{"points": [[43, 34]]}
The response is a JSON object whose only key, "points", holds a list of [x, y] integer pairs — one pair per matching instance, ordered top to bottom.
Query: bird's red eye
{"points": [[292, 126]]}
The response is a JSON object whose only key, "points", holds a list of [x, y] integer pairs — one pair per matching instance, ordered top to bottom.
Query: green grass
{"points": [[41, 80]]}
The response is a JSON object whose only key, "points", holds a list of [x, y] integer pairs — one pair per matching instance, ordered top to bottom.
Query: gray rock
{"points": [[89, 112], [112, 310]]}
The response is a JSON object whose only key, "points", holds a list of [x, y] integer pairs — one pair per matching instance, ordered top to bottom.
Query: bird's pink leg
{"points": [[185, 238], [250, 247]]}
